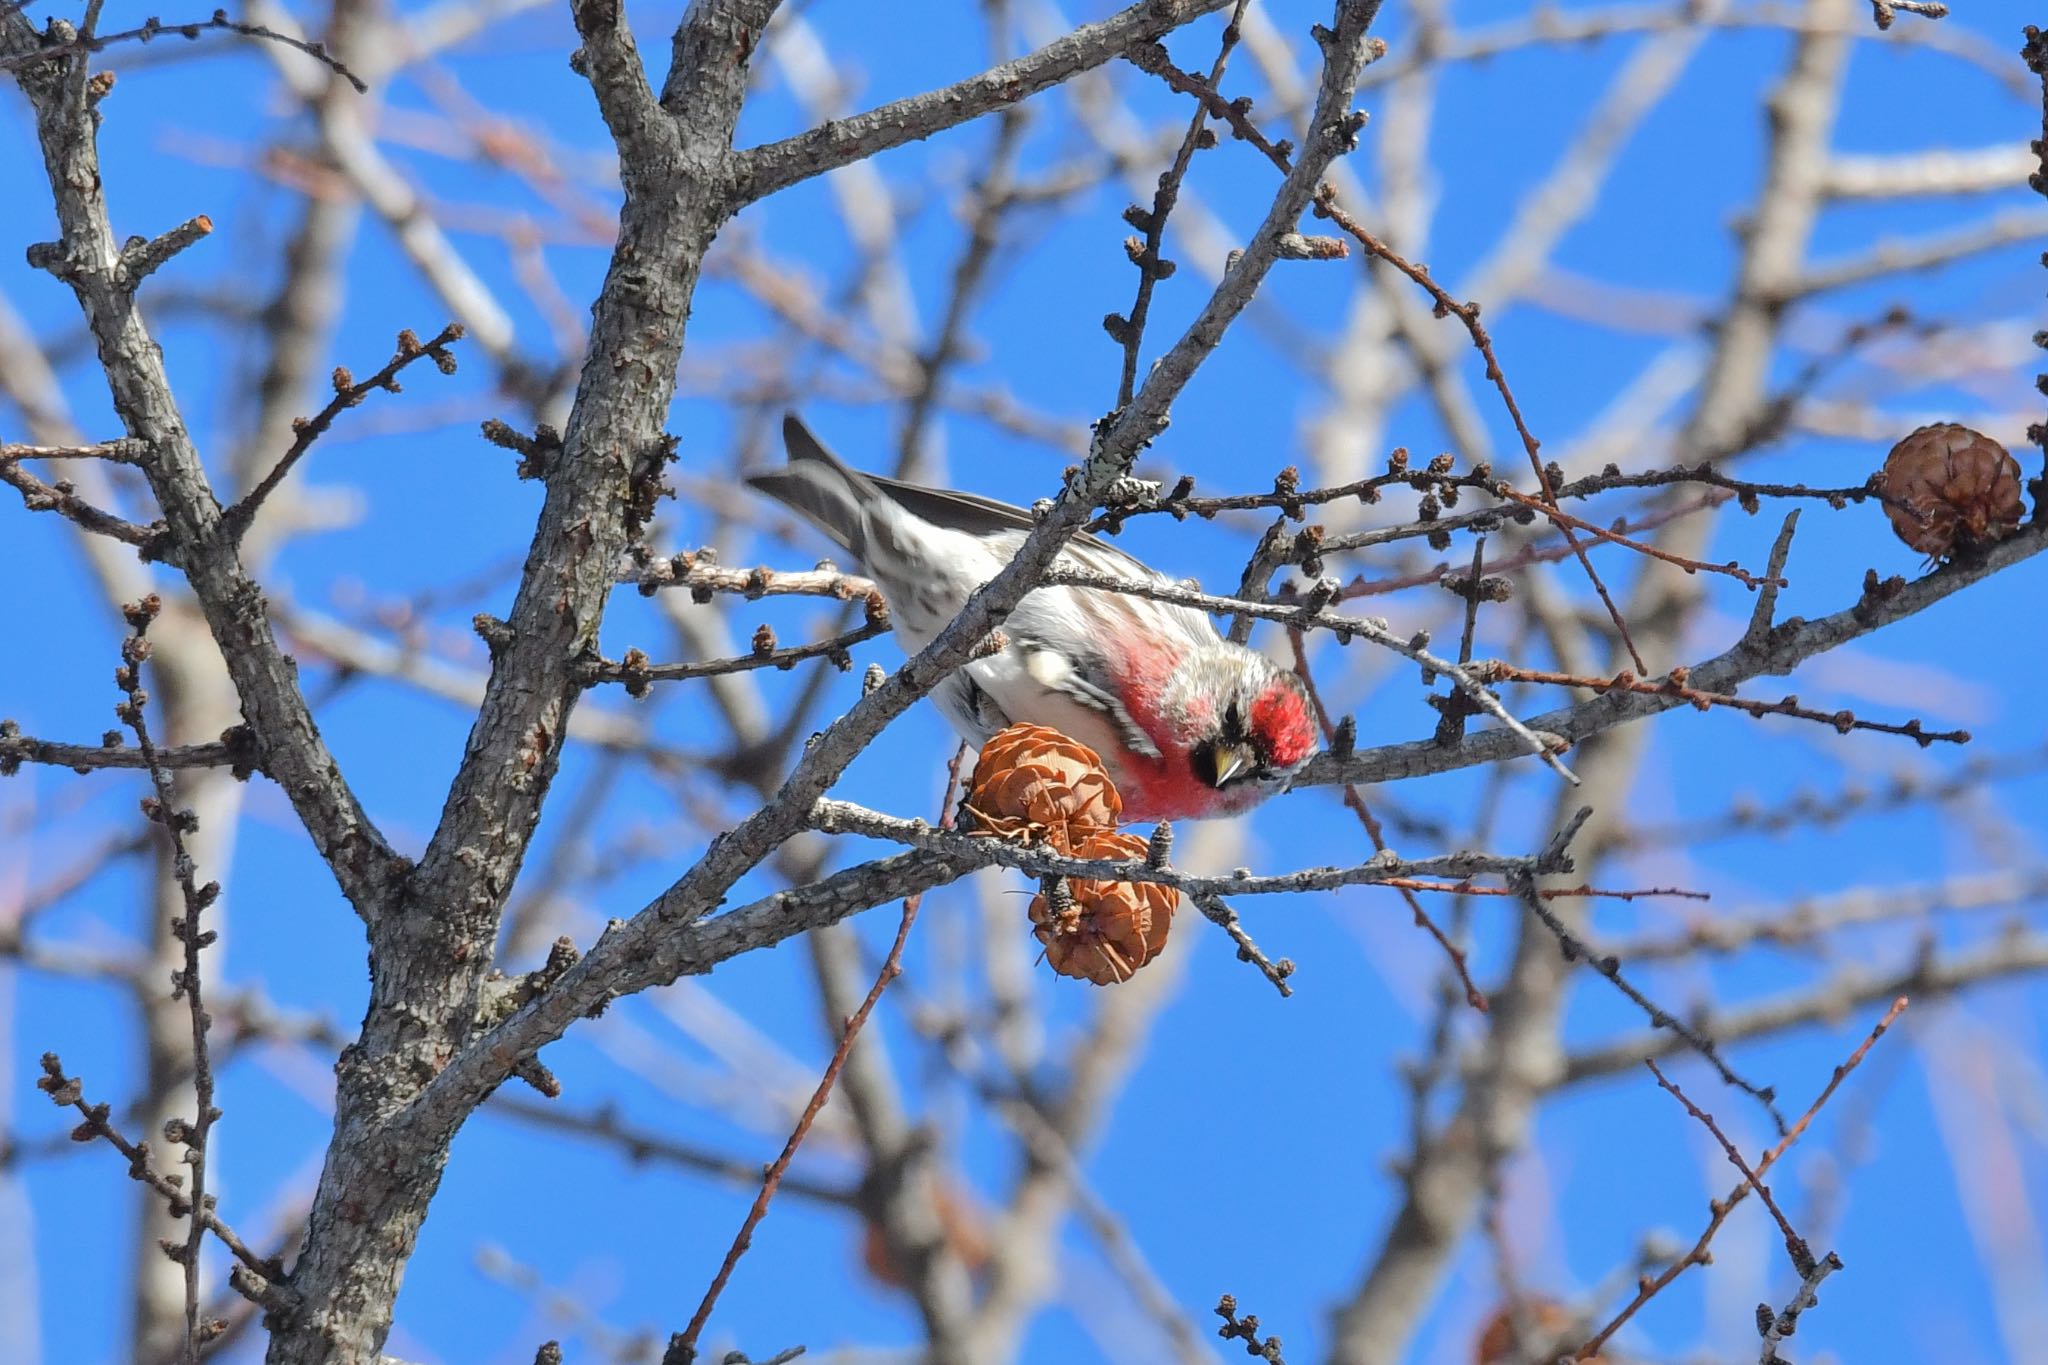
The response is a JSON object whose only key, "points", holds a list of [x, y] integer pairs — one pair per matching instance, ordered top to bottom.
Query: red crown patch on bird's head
{"points": [[1281, 722]]}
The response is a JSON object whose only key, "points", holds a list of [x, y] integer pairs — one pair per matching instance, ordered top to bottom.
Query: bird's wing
{"points": [[829, 492], [976, 515], [1088, 681]]}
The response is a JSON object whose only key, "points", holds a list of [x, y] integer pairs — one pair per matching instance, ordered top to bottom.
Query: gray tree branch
{"points": [[760, 171]]}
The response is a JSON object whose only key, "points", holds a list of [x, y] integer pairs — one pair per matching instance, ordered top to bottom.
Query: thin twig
{"points": [[62, 42], [1326, 206], [1468, 313], [1128, 331], [347, 394], [120, 450], [1289, 497], [63, 499], [1566, 522], [1533, 553], [700, 572], [1791, 642], [636, 670], [1674, 684], [237, 751], [1355, 802], [844, 817], [1551, 893], [1220, 913], [1578, 950], [186, 981], [68, 1092], [1795, 1245], [1648, 1288], [1773, 1328], [1246, 1329], [682, 1348]]}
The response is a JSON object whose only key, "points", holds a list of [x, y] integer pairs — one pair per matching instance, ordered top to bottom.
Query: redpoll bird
{"points": [[1188, 724]]}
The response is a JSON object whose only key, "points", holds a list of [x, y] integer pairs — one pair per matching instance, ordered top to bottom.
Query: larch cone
{"points": [[1948, 488], [1034, 785], [1103, 931]]}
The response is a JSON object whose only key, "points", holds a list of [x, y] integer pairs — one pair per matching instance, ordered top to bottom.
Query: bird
{"points": [[1188, 724]]}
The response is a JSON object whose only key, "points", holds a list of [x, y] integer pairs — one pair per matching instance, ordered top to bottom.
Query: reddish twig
{"points": [[1237, 115], [1468, 313], [1565, 521], [1522, 558], [1674, 685], [1355, 802], [1466, 888], [1795, 1245], [1649, 1287], [682, 1347]]}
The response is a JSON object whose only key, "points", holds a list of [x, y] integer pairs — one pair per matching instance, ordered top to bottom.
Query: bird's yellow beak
{"points": [[1232, 759]]}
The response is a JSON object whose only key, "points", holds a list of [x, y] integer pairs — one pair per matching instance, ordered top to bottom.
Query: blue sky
{"points": [[1249, 1151]]}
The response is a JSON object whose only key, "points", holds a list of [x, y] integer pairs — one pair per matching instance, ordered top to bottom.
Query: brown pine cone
{"points": [[1947, 488], [1034, 785], [1104, 931], [1546, 1321]]}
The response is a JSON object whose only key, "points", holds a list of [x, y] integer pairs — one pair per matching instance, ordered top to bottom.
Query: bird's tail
{"points": [[822, 489]]}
